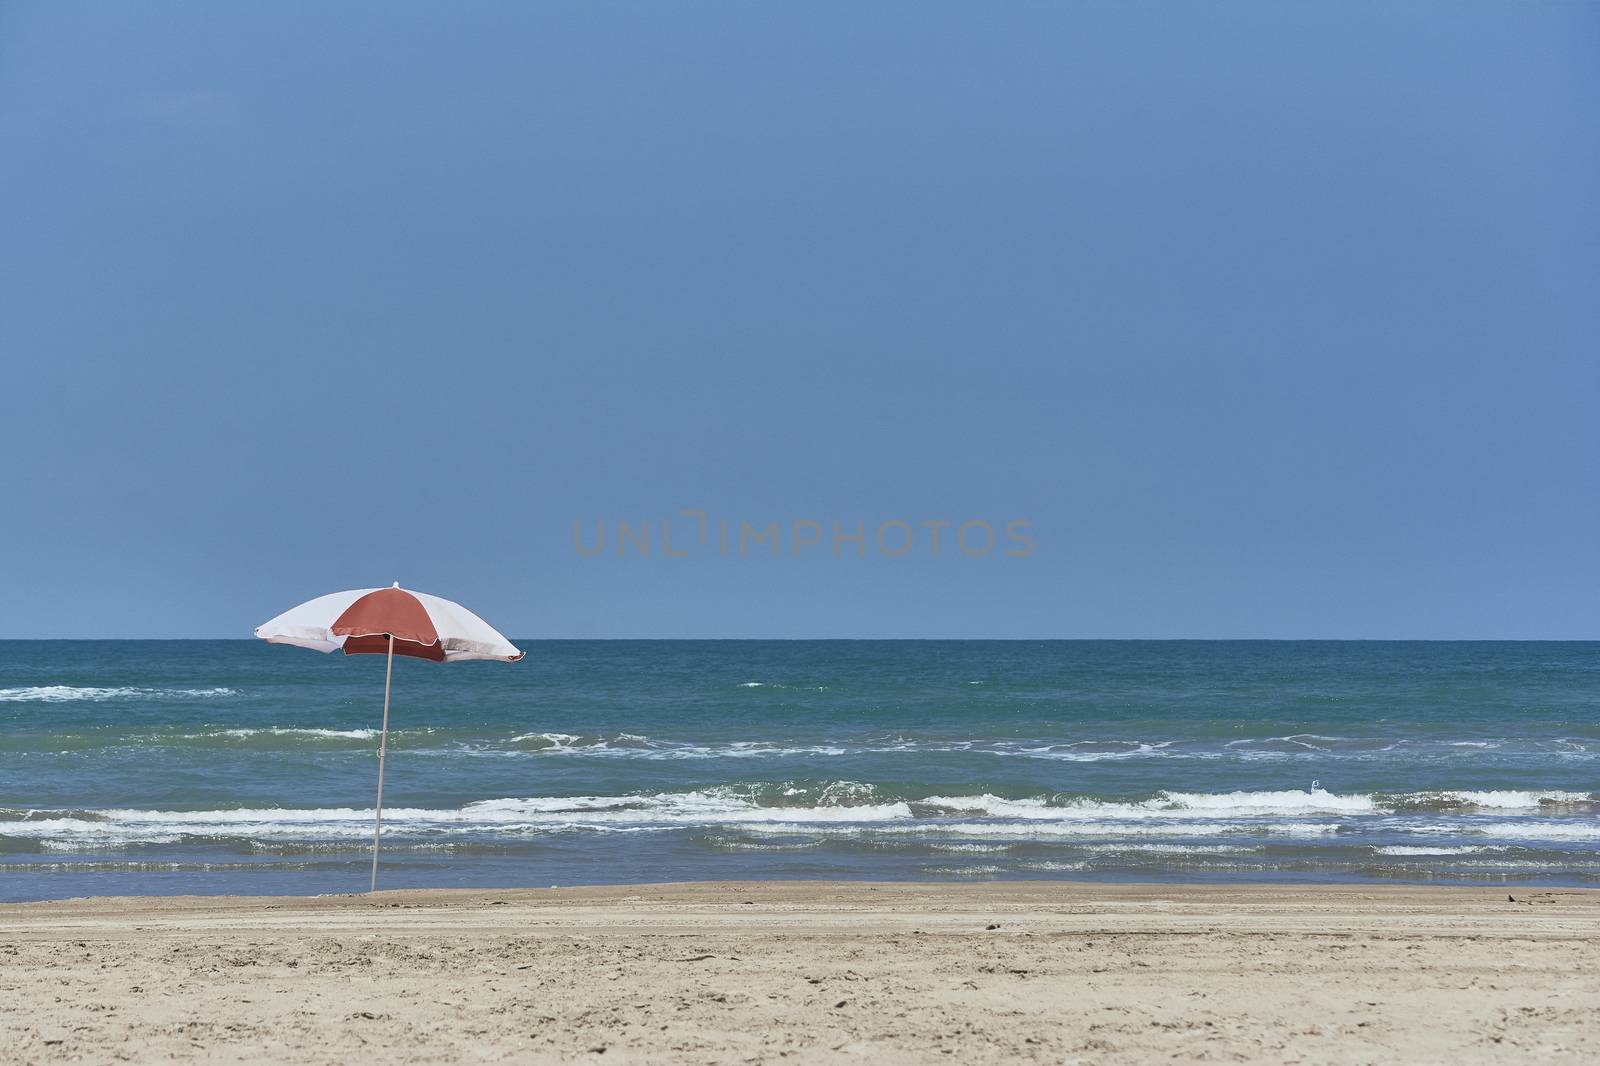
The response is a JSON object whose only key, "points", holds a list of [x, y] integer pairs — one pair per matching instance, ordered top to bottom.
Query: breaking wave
{"points": [[76, 694], [288, 731], [446, 740], [859, 809]]}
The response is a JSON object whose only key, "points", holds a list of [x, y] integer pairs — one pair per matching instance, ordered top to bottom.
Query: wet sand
{"points": [[810, 972]]}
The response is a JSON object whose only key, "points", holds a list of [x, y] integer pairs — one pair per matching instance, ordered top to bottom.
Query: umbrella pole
{"points": [[383, 743]]}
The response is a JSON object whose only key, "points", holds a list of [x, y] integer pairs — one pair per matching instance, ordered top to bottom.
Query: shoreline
{"points": [[1109, 886], [685, 891], [812, 971]]}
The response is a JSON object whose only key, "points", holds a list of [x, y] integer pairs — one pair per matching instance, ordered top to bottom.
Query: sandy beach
{"points": [[810, 972]]}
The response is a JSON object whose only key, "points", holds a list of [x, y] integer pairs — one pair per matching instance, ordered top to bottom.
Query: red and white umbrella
{"points": [[392, 621]]}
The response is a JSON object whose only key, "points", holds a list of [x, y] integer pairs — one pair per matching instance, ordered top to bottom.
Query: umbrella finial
{"points": [[395, 585]]}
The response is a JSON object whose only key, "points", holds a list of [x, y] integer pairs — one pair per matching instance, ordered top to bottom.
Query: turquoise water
{"points": [[231, 766]]}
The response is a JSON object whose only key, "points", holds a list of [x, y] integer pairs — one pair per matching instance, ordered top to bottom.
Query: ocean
{"points": [[135, 767]]}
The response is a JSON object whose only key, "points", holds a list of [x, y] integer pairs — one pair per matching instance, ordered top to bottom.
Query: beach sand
{"points": [[811, 972]]}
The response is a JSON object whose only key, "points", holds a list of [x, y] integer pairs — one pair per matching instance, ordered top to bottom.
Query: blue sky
{"points": [[1271, 320]]}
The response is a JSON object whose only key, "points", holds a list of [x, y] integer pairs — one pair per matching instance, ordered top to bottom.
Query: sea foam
{"points": [[75, 694], [853, 809]]}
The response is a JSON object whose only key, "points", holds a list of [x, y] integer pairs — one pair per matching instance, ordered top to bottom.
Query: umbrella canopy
{"points": [[360, 621], [392, 621]]}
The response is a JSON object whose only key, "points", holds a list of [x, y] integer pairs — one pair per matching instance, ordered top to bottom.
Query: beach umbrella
{"points": [[392, 621]]}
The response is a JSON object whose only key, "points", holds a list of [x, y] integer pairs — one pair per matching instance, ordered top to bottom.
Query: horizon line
{"points": [[989, 640]]}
